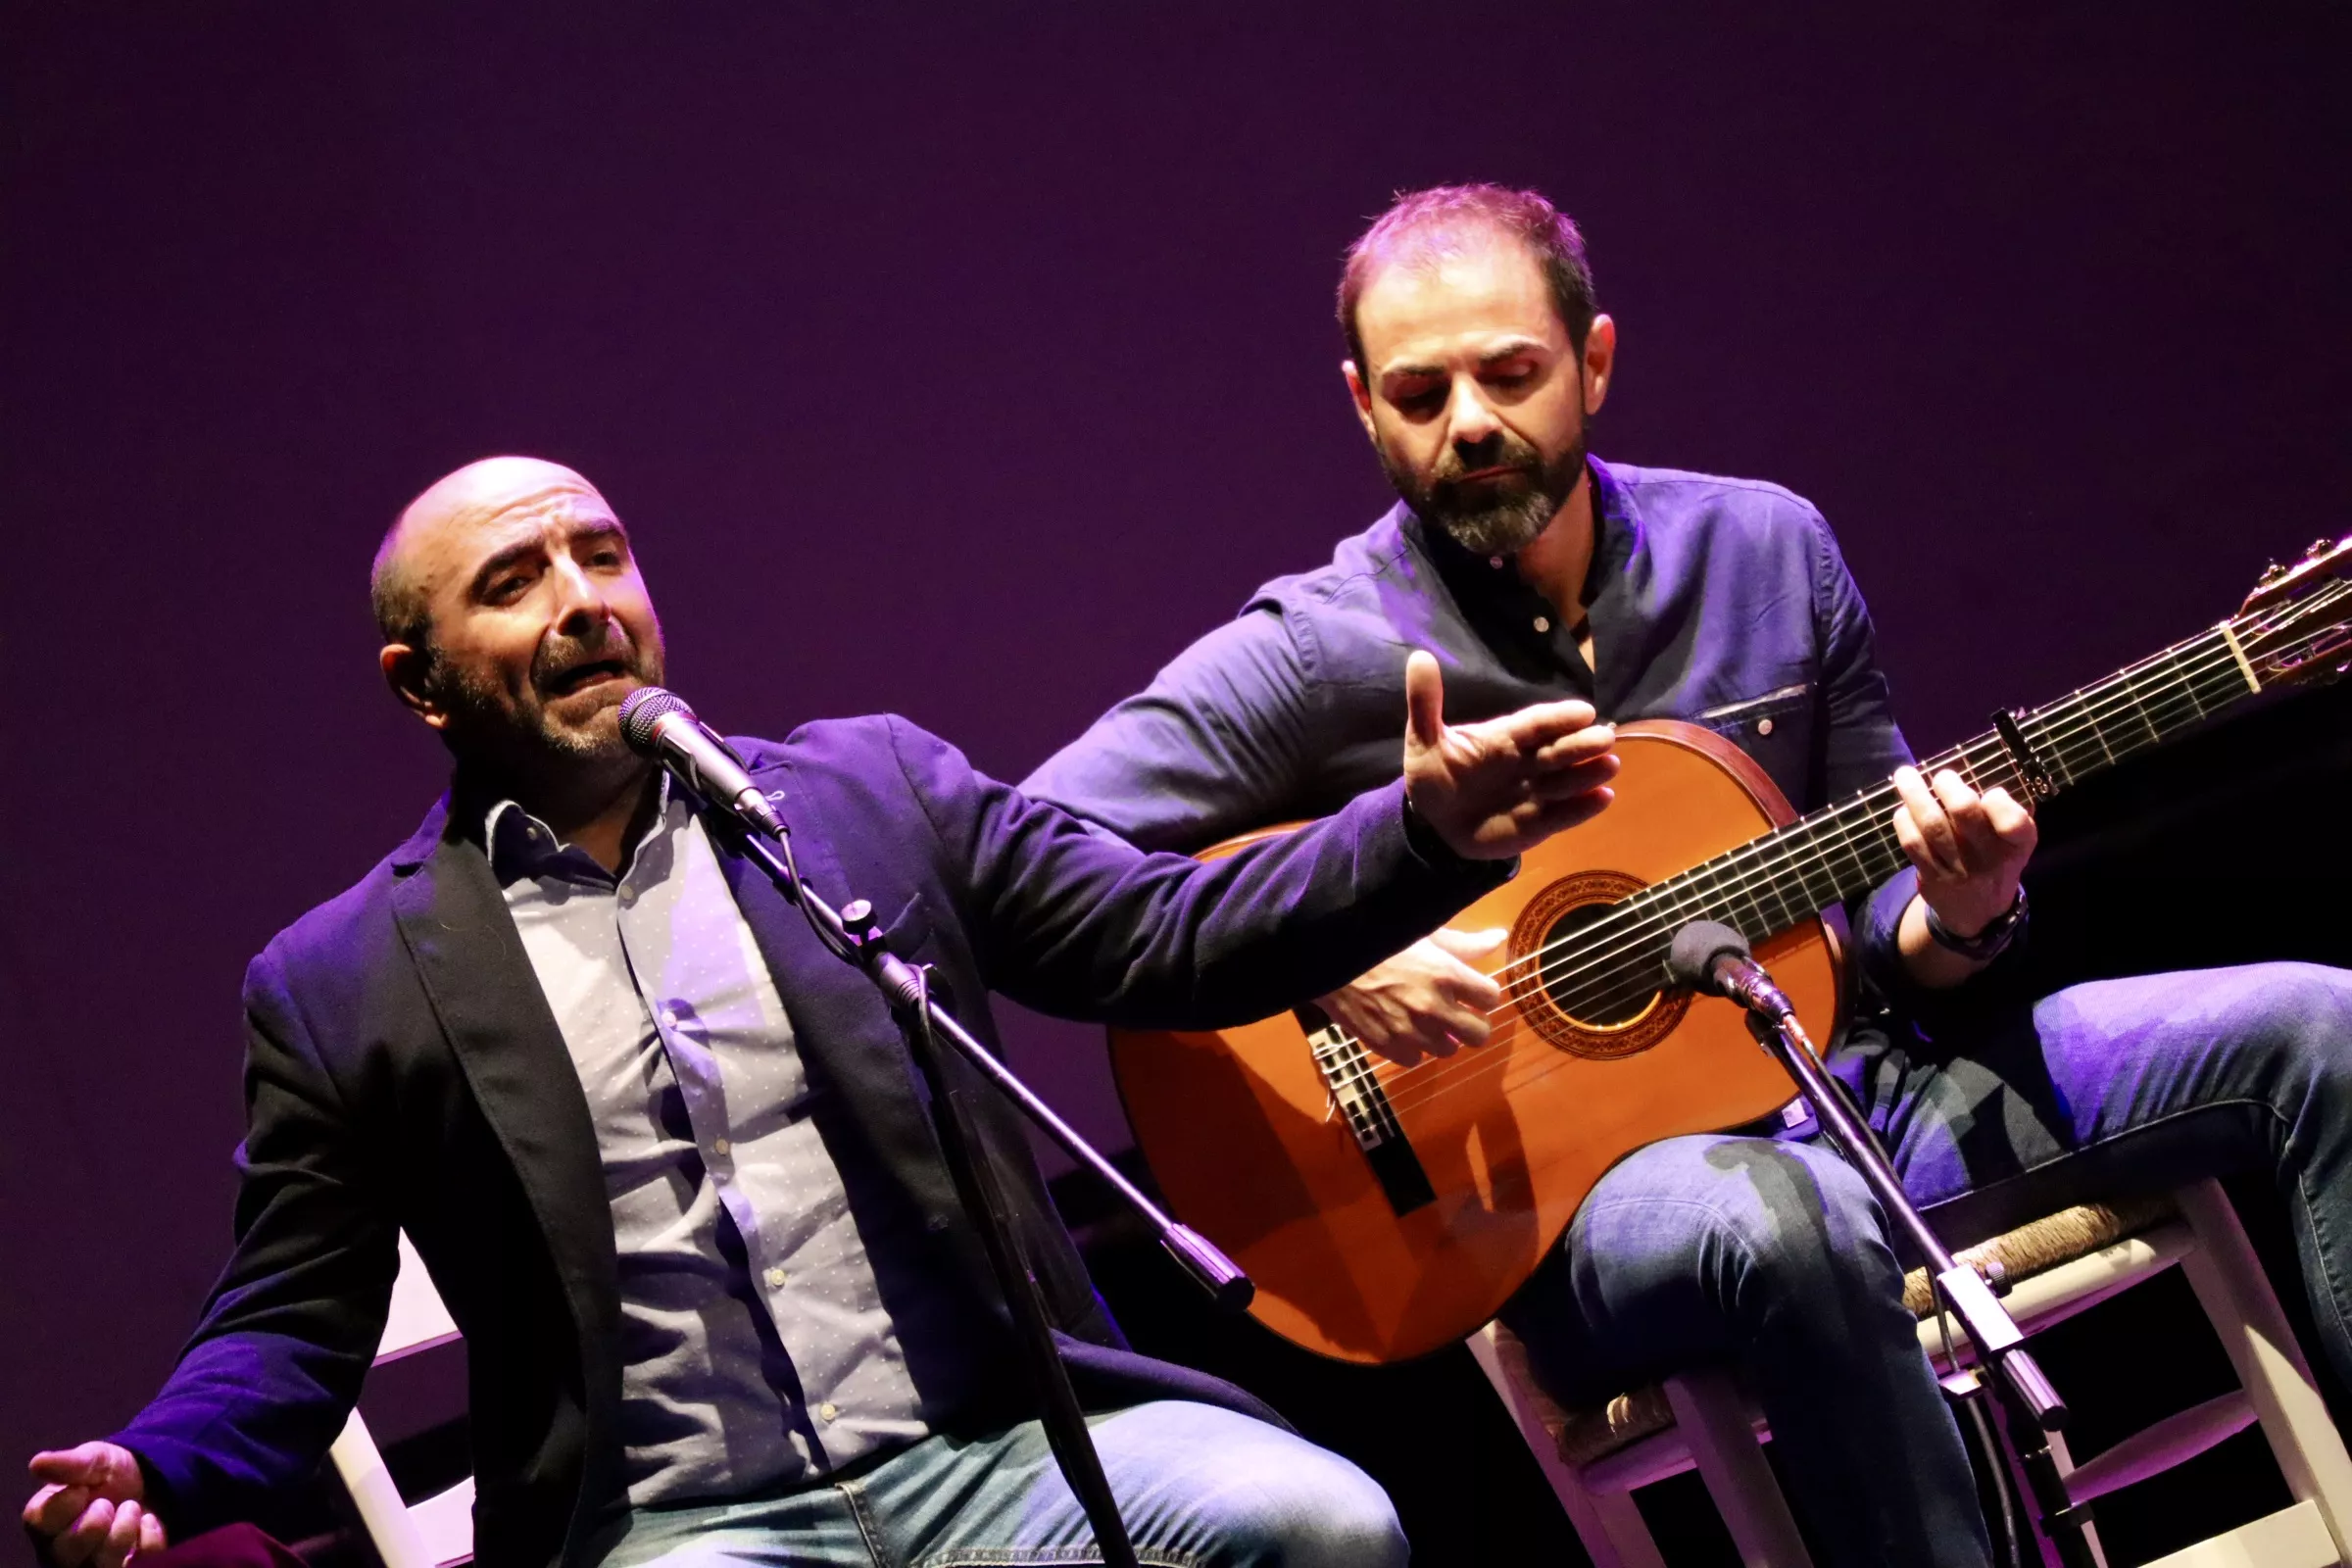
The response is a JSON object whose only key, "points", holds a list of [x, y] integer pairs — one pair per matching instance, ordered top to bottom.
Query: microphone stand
{"points": [[853, 934], [2032, 1405]]}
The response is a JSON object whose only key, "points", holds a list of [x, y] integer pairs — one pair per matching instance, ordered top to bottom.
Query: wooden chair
{"points": [[2050, 1270], [439, 1531]]}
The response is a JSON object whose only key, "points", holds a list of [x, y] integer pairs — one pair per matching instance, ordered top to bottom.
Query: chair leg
{"points": [[2228, 1281], [1711, 1414], [360, 1467], [1608, 1524], [2031, 1526]]}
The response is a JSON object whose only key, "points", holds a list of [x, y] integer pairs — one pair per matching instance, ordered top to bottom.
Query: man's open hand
{"points": [[1496, 789], [90, 1508]]}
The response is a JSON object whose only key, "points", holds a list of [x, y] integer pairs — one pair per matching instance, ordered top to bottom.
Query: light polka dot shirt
{"points": [[755, 1347]]}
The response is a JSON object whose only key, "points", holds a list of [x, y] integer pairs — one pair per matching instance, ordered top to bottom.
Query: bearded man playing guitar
{"points": [[1534, 572]]}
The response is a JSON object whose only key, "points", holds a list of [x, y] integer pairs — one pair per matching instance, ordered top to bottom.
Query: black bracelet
{"points": [[1987, 944]]}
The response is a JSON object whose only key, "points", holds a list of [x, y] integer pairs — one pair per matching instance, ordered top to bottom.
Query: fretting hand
{"points": [[1496, 789], [1969, 849]]}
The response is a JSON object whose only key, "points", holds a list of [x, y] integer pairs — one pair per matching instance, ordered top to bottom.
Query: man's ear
{"points": [[1599, 362], [1361, 395], [405, 671]]}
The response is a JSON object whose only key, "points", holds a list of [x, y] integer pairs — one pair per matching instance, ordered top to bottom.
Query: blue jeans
{"points": [[1772, 1255], [1199, 1487]]}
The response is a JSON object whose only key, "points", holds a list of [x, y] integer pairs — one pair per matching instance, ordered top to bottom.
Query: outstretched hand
{"points": [[1496, 789], [89, 1509]]}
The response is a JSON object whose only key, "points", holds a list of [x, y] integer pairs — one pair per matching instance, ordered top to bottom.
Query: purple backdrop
{"points": [[967, 365]]}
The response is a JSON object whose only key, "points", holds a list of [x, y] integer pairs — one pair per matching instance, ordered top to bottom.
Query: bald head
{"points": [[474, 493], [513, 613]]}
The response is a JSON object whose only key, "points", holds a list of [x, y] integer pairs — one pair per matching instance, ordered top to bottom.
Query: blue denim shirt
{"points": [[1721, 602]]}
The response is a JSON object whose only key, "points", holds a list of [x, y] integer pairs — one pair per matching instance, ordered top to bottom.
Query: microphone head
{"points": [[642, 713], [1696, 947]]}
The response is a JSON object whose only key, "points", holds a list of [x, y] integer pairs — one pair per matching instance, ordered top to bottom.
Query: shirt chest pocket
{"points": [[1776, 730]]}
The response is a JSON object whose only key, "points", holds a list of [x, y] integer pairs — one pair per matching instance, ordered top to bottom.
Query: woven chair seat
{"points": [[1591, 1433]]}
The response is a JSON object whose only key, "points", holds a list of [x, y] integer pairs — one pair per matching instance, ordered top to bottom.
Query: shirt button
{"points": [[1495, 562], [1543, 623], [1763, 726], [670, 1018], [721, 1144], [775, 1277], [827, 1410]]}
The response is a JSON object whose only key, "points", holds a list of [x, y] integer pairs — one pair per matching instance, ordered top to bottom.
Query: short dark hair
{"points": [[1449, 219], [403, 613]]}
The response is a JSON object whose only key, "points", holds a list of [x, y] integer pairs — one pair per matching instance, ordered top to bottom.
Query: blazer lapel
{"points": [[487, 999], [840, 1024]]}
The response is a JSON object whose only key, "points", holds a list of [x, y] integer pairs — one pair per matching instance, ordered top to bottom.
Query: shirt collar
{"points": [[520, 845]]}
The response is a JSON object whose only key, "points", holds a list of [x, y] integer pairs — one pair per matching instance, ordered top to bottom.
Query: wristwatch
{"points": [[1986, 944]]}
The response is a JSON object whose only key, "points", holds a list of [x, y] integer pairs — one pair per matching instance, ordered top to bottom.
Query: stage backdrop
{"points": [[966, 362]]}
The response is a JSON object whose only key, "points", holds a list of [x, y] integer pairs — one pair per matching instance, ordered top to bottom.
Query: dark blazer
{"points": [[404, 1071]]}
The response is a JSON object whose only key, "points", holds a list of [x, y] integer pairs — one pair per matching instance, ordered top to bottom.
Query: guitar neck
{"points": [[1791, 874]]}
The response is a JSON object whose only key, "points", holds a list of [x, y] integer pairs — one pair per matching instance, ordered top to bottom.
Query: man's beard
{"points": [[1507, 523], [484, 717]]}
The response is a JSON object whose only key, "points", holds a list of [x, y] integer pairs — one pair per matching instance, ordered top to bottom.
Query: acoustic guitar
{"points": [[1386, 1210]]}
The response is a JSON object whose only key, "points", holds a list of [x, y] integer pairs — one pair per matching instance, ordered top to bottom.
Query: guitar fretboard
{"points": [[1791, 874]]}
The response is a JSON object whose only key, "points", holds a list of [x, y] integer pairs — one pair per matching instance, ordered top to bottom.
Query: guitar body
{"points": [[1355, 1258]]}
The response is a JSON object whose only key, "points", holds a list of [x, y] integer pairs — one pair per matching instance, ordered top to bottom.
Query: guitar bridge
{"points": [[1356, 1093]]}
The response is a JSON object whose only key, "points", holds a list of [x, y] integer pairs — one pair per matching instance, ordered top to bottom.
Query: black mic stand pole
{"points": [[853, 934], [2035, 1408]]}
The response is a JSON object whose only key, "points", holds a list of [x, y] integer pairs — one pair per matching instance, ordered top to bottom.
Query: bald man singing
{"points": [[665, 1156]]}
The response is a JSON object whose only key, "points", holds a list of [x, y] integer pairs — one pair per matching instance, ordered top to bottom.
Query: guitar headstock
{"points": [[2297, 622]]}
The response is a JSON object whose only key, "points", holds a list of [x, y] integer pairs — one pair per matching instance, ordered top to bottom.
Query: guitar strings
{"points": [[2183, 682], [2111, 696], [2169, 705], [2096, 706], [2090, 711], [1866, 802], [1834, 830], [1829, 834], [1454, 1073], [1420, 1082], [1417, 1084]]}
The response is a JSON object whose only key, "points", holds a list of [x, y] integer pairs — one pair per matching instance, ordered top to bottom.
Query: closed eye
{"points": [[507, 586]]}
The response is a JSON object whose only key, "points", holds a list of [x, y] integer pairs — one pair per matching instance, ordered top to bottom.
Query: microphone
{"points": [[659, 725], [1713, 959]]}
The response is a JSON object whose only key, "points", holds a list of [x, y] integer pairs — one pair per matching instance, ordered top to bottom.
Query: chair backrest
{"points": [[418, 1320], [437, 1532]]}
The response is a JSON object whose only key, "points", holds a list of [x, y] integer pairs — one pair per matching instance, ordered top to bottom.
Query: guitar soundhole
{"points": [[1587, 990], [1591, 999]]}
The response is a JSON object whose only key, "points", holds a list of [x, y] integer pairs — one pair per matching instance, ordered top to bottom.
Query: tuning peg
{"points": [[2321, 546], [2271, 573]]}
